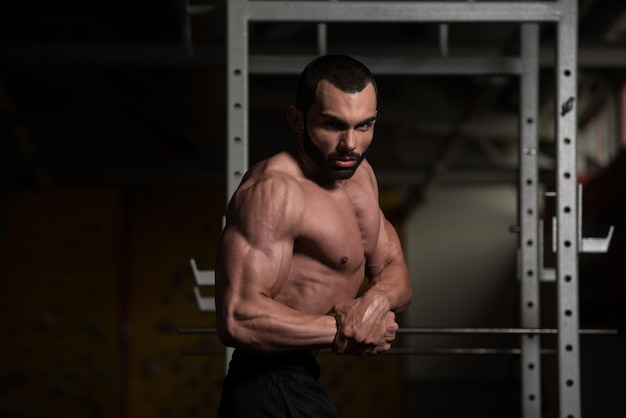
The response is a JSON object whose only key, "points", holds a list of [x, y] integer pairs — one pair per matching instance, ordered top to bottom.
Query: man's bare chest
{"points": [[339, 228]]}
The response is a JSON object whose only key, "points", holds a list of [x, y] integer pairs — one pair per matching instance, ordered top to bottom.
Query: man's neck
{"points": [[311, 170]]}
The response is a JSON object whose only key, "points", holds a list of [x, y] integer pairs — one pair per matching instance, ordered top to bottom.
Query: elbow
{"points": [[409, 294], [409, 297], [406, 299], [235, 323], [227, 325], [227, 330], [234, 331]]}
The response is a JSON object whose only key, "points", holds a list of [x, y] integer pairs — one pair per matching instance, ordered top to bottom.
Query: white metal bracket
{"points": [[585, 245], [591, 245], [203, 278]]}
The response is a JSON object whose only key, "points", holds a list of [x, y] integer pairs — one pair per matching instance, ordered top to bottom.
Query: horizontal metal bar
{"points": [[201, 9], [361, 11], [151, 55], [69, 56], [293, 64], [407, 176], [549, 274], [197, 330], [523, 331], [203, 351], [405, 351], [463, 351]]}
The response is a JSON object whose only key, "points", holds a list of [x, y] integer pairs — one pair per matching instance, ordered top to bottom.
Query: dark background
{"points": [[112, 168]]}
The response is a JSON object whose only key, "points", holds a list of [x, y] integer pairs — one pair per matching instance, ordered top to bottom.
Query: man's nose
{"points": [[348, 140]]}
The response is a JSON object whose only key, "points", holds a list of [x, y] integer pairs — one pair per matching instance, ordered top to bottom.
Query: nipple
{"points": [[344, 260]]}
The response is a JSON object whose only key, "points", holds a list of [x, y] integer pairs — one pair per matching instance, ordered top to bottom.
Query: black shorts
{"points": [[274, 386]]}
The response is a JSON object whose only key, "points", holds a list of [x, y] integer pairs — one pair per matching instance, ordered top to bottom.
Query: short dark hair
{"points": [[342, 71]]}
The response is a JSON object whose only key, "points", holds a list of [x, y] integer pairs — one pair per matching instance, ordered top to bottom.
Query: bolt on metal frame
{"points": [[561, 12]]}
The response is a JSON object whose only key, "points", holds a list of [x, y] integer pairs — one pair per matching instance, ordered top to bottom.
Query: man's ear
{"points": [[295, 119]]}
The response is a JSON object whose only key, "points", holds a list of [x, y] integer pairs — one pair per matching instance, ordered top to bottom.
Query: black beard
{"points": [[326, 164]]}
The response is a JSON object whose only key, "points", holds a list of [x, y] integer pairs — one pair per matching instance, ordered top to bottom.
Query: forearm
{"points": [[392, 283], [271, 327]]}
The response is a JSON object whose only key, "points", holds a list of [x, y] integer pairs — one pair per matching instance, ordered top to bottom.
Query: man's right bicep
{"points": [[257, 243], [248, 269]]}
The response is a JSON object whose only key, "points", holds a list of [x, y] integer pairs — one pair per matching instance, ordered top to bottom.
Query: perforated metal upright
{"points": [[563, 13], [528, 214], [569, 240]]}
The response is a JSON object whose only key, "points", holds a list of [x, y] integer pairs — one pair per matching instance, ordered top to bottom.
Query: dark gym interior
{"points": [[113, 176]]}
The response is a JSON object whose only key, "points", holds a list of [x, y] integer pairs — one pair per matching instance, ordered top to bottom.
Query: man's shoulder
{"points": [[282, 162], [367, 169], [277, 171], [273, 184], [270, 186], [267, 200]]}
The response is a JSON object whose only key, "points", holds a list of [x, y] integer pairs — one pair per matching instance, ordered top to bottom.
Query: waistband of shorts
{"points": [[297, 361]]}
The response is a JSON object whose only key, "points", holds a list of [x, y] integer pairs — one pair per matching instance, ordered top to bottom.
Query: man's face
{"points": [[340, 128]]}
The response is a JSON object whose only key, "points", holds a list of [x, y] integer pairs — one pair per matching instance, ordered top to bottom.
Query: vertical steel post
{"points": [[185, 20], [237, 100], [566, 212], [530, 362]]}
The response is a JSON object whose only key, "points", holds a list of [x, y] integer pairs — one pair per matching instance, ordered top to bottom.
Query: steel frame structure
{"points": [[562, 13]]}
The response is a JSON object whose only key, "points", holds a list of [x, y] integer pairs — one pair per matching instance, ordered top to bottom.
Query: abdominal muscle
{"points": [[314, 288]]}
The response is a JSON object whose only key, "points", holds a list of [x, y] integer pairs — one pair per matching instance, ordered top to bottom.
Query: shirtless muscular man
{"points": [[302, 232]]}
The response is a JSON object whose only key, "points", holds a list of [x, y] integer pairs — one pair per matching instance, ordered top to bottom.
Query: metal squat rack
{"points": [[568, 241]]}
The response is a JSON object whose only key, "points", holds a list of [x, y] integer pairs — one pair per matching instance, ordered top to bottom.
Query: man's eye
{"points": [[365, 126]]}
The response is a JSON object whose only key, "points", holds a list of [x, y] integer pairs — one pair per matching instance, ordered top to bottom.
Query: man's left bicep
{"points": [[388, 250], [387, 270]]}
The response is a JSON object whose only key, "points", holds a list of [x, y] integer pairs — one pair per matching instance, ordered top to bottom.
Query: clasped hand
{"points": [[365, 326]]}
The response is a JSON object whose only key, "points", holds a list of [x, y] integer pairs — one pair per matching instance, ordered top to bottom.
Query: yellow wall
{"points": [[95, 285], [58, 304]]}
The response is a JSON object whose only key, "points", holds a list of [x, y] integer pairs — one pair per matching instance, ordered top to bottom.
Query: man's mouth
{"points": [[345, 163]]}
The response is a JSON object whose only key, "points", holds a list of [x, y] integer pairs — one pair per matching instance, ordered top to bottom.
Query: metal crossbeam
{"points": [[383, 11], [293, 64]]}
